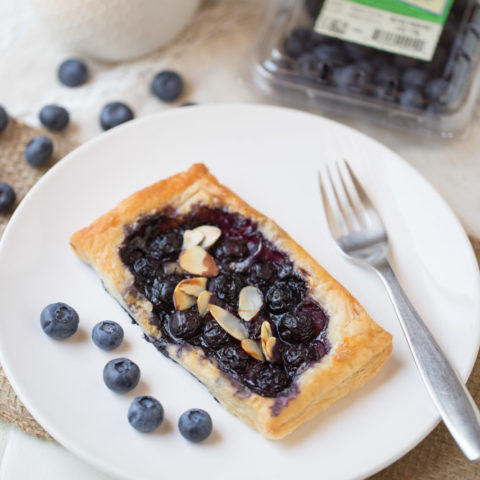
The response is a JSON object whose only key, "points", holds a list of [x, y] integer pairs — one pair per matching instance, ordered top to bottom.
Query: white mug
{"points": [[115, 30]]}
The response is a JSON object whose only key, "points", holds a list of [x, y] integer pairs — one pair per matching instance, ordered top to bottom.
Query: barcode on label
{"points": [[334, 25], [390, 38]]}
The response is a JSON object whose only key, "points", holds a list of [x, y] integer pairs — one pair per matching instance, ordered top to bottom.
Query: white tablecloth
{"points": [[215, 57]]}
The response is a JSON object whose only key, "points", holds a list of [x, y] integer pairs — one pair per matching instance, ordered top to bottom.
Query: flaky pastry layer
{"points": [[359, 347]]}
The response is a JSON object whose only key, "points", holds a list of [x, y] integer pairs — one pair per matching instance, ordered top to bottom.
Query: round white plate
{"points": [[270, 157]]}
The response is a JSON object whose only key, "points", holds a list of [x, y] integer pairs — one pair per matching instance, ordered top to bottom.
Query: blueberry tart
{"points": [[222, 290]]}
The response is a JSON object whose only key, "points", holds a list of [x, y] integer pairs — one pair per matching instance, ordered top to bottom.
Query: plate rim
{"points": [[65, 161]]}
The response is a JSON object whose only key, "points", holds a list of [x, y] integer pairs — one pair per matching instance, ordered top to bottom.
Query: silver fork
{"points": [[361, 236]]}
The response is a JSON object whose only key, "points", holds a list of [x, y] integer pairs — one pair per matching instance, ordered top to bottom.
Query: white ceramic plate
{"points": [[270, 157]]}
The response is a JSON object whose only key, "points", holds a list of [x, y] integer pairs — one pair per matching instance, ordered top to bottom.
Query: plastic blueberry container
{"points": [[300, 67]]}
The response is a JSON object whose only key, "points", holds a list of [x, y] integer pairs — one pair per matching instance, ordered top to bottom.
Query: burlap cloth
{"points": [[437, 457]]}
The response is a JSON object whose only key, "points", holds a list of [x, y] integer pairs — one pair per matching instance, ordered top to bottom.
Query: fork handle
{"points": [[455, 404]]}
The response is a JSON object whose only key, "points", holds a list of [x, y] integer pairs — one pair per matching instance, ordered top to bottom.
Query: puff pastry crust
{"points": [[359, 347]]}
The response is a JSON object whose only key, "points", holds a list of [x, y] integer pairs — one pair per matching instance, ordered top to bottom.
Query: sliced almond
{"points": [[210, 235], [192, 237], [198, 261], [193, 286], [181, 300], [202, 302], [250, 302], [230, 323], [265, 331], [252, 348], [268, 348]]}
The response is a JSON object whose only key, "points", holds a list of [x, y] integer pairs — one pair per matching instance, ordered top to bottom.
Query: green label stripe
{"points": [[401, 8]]}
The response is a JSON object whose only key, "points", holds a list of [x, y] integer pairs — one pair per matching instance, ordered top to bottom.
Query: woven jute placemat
{"points": [[437, 457]]}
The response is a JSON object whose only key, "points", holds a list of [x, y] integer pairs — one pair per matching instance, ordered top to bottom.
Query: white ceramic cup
{"points": [[115, 30]]}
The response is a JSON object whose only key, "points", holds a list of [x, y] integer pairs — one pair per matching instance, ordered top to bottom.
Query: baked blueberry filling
{"points": [[264, 328]]}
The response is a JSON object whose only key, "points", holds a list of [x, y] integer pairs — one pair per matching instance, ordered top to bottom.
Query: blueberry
{"points": [[298, 42], [356, 51], [330, 54], [311, 67], [72, 72], [387, 76], [350, 77], [414, 78], [167, 86], [435, 88], [411, 97], [114, 114], [54, 117], [3, 119], [39, 151], [7, 197], [166, 245], [231, 250], [144, 268], [262, 273], [226, 287], [161, 292], [280, 298], [59, 320], [185, 323], [296, 328], [107, 335], [214, 335], [298, 356], [234, 358], [121, 375], [266, 379], [145, 413], [195, 425]]}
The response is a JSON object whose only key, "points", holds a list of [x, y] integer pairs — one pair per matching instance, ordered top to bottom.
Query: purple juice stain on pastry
{"points": [[298, 323]]}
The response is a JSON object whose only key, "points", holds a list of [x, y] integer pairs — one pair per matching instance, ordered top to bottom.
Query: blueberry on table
{"points": [[72, 72], [167, 86], [114, 114], [54, 117], [3, 119], [39, 151], [7, 197], [59, 320], [107, 335], [121, 375], [145, 413], [195, 425]]}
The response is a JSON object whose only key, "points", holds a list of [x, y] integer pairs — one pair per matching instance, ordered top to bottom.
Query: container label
{"points": [[411, 28]]}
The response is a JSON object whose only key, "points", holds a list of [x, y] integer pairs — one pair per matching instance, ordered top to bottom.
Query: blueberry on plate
{"points": [[72, 72], [167, 86], [114, 114], [54, 117], [3, 119], [39, 151], [7, 197], [59, 320], [107, 335], [121, 375], [145, 413], [195, 425]]}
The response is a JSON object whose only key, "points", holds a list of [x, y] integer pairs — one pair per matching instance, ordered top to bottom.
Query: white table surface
{"points": [[216, 65]]}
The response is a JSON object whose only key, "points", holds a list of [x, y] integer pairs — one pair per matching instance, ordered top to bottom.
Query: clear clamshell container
{"points": [[307, 66]]}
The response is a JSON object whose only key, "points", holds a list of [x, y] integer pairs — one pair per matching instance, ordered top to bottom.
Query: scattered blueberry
{"points": [[73, 72], [167, 86], [114, 114], [54, 117], [3, 119], [39, 151], [7, 197], [59, 320], [107, 335], [121, 375], [145, 413], [195, 425]]}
